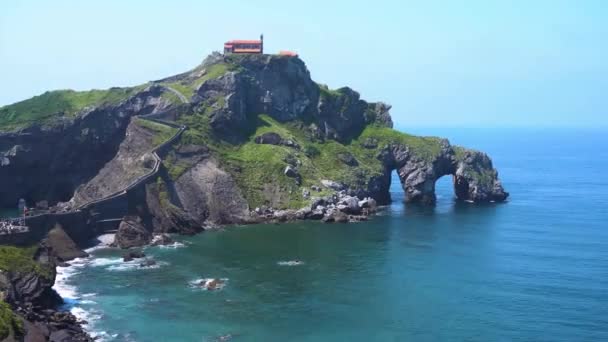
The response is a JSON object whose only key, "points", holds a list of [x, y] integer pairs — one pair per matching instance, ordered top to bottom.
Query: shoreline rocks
{"points": [[339, 207], [132, 233], [33, 300]]}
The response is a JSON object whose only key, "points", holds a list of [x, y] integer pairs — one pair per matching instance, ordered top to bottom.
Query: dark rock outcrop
{"points": [[233, 97], [50, 162], [475, 179], [210, 195], [132, 233], [64, 248], [132, 255], [30, 294]]}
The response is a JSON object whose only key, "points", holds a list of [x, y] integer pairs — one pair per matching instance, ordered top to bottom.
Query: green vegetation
{"points": [[188, 86], [327, 93], [44, 108], [161, 132], [427, 148], [175, 168], [258, 169], [484, 177], [20, 260], [9, 322]]}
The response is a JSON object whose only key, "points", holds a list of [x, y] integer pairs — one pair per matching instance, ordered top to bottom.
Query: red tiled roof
{"points": [[244, 42], [288, 53]]}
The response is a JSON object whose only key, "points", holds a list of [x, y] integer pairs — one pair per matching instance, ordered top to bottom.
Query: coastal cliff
{"points": [[263, 141], [27, 301]]}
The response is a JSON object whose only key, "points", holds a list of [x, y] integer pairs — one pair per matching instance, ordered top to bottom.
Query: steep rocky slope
{"points": [[262, 137], [27, 300]]}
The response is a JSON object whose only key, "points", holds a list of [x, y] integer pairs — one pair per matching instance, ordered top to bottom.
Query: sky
{"points": [[438, 63]]}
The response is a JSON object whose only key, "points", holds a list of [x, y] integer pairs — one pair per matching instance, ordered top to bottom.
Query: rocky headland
{"points": [[239, 139], [28, 303]]}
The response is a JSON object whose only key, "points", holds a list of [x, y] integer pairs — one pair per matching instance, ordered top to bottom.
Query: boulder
{"points": [[270, 138], [291, 171], [332, 185], [305, 193], [368, 203], [349, 204], [317, 213], [335, 216], [132, 233], [161, 240], [64, 248], [132, 255], [147, 263]]}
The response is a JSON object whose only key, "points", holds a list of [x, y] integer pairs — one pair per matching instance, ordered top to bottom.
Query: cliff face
{"points": [[260, 133], [47, 161], [27, 300]]}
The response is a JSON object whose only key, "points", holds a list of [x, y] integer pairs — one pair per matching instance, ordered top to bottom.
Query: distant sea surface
{"points": [[532, 269]]}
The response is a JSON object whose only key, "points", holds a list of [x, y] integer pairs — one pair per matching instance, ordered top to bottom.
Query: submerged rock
{"points": [[132, 255]]}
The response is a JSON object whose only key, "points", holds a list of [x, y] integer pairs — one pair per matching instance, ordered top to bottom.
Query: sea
{"points": [[532, 269]]}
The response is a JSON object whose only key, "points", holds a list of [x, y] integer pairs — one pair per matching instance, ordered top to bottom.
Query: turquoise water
{"points": [[6, 213], [533, 269]]}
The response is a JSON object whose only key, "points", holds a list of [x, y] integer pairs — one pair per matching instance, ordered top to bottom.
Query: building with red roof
{"points": [[245, 46]]}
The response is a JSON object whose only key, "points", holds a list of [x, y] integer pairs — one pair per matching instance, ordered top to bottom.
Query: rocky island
{"points": [[239, 139]]}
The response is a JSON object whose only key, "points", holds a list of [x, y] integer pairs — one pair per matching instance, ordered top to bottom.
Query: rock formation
{"points": [[263, 141], [132, 233], [26, 287]]}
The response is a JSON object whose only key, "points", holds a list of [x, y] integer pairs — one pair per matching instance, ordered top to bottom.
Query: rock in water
{"points": [[132, 233], [162, 240], [132, 255], [147, 263]]}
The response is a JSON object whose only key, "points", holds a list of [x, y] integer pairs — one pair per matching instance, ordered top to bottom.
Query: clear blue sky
{"points": [[439, 63]]}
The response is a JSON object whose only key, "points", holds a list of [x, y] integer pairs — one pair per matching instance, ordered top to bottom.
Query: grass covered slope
{"points": [[55, 104], [161, 133], [259, 169], [20, 260], [9, 322]]}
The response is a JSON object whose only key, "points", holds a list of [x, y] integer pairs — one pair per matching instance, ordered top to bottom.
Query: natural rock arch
{"points": [[474, 178]]}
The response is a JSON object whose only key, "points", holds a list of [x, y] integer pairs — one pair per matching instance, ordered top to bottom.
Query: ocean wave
{"points": [[103, 241], [173, 245], [103, 262], [290, 263], [134, 265], [203, 283], [74, 301]]}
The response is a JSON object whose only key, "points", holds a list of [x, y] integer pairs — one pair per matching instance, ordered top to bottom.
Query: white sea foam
{"points": [[102, 241], [173, 245], [103, 262], [290, 263], [134, 265], [203, 283], [73, 300]]}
